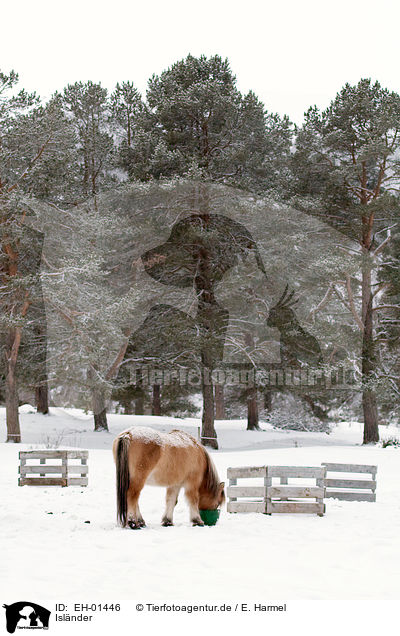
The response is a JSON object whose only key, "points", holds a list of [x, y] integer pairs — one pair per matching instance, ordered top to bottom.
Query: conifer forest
{"points": [[187, 252]]}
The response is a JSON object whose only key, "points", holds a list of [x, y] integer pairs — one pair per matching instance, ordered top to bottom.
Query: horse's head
{"points": [[211, 499]]}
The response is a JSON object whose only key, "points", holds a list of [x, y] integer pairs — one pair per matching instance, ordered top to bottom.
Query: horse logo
{"points": [[26, 615]]}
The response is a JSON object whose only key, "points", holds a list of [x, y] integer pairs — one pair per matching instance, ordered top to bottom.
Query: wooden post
{"points": [[83, 463], [64, 465], [284, 481], [320, 481], [233, 482], [267, 498]]}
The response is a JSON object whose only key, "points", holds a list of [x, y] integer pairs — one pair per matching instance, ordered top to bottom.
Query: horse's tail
{"points": [[122, 465]]}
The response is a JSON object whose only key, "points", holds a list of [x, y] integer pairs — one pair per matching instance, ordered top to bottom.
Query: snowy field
{"points": [[350, 553]]}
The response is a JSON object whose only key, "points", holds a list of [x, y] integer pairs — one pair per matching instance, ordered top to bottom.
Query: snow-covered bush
{"points": [[289, 412]]}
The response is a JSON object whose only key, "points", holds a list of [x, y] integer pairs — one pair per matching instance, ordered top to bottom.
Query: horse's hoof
{"points": [[197, 522], [166, 523], [136, 525]]}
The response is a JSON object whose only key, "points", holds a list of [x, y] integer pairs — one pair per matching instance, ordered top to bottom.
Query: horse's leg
{"points": [[142, 459], [192, 495], [171, 501], [135, 519]]}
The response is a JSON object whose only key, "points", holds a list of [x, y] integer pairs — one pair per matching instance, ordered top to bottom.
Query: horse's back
{"points": [[145, 435], [144, 450], [182, 458], [164, 459]]}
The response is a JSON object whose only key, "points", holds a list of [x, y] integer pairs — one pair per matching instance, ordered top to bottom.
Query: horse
{"points": [[174, 460]]}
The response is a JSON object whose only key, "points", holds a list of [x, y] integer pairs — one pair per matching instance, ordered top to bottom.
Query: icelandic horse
{"points": [[174, 460]]}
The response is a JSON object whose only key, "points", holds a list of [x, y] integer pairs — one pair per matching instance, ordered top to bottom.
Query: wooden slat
{"points": [[42, 454], [54, 454], [81, 454], [350, 468], [80, 469], [25, 470], [247, 471], [296, 471], [42, 481], [53, 481], [77, 481], [350, 483], [245, 491], [295, 491], [350, 496], [246, 506], [295, 507]]}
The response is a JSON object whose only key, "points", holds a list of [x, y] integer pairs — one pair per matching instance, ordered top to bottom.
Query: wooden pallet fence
{"points": [[40, 473], [361, 487], [254, 496], [281, 497], [294, 497]]}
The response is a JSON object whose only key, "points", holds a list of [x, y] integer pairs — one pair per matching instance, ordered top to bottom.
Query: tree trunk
{"points": [[207, 311], [13, 342], [11, 349], [368, 356], [368, 363], [139, 397], [42, 398], [268, 401], [98, 402], [219, 402], [156, 403], [139, 405], [127, 406], [252, 409], [99, 410], [370, 410], [12, 415], [208, 432]]}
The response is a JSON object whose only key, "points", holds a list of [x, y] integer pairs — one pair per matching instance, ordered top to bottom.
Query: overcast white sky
{"points": [[292, 53]]}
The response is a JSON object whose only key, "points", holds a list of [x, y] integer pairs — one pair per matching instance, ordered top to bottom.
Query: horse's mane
{"points": [[210, 478], [210, 482]]}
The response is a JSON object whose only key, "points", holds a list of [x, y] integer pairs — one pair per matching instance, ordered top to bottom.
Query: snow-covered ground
{"points": [[350, 553]]}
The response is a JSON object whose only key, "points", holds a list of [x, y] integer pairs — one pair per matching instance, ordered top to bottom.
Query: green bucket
{"points": [[210, 517]]}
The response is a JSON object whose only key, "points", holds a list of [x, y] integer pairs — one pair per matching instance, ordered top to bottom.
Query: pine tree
{"points": [[88, 108], [203, 121], [130, 122], [29, 138], [346, 165], [388, 317]]}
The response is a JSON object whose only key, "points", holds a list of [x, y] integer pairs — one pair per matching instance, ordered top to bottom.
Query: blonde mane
{"points": [[211, 481]]}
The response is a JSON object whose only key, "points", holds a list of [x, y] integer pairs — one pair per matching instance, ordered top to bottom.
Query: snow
{"points": [[146, 435], [47, 546]]}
